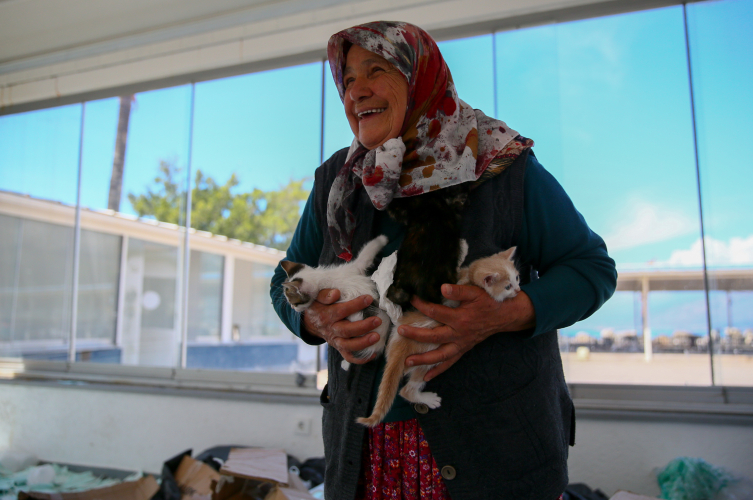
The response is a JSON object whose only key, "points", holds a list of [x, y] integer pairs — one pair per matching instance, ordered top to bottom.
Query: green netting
{"points": [[687, 478]]}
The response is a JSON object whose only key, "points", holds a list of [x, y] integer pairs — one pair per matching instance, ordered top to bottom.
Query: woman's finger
{"points": [[461, 293], [342, 310], [436, 312], [352, 329], [441, 334], [349, 346], [441, 354], [441, 368]]}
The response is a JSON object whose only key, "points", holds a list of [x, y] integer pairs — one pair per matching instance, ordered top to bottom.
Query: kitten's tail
{"points": [[369, 252], [393, 373]]}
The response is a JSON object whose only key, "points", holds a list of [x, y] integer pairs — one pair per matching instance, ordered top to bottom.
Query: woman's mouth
{"points": [[370, 112]]}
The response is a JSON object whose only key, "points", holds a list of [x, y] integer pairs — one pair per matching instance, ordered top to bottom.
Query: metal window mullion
{"points": [[494, 73], [321, 160], [700, 198], [186, 243], [76, 246], [16, 280], [120, 304]]}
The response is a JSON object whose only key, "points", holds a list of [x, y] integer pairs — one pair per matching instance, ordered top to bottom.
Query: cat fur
{"points": [[433, 223], [497, 275], [305, 282]]}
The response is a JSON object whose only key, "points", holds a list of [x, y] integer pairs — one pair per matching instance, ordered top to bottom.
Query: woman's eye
{"points": [[376, 69], [347, 82]]}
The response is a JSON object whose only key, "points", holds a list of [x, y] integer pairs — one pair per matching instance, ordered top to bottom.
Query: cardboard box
{"points": [[249, 471], [195, 478], [143, 489]]}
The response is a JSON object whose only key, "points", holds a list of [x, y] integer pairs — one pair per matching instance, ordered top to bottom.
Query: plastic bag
{"points": [[686, 478]]}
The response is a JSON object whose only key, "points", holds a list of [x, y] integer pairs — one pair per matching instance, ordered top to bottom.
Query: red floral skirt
{"points": [[398, 465]]}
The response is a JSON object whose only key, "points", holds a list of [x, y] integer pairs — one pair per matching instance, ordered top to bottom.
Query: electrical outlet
{"points": [[303, 426]]}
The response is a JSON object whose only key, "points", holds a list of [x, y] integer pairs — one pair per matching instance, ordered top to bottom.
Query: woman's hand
{"points": [[477, 317], [327, 319]]}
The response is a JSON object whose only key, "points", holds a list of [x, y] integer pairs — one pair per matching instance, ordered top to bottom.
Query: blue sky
{"points": [[606, 100]]}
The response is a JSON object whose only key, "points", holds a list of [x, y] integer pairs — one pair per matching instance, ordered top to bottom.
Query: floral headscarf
{"points": [[443, 141]]}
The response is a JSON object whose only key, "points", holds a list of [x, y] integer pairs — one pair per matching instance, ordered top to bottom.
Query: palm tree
{"points": [[116, 179]]}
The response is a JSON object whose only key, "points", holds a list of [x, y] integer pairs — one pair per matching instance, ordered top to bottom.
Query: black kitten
{"points": [[428, 256]]}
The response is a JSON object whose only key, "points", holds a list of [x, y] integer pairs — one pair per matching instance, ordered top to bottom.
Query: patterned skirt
{"points": [[398, 465]]}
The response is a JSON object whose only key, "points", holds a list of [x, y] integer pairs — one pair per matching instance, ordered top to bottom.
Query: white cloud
{"points": [[646, 222], [718, 253]]}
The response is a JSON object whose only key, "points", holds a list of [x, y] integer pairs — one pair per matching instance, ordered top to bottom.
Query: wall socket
{"points": [[303, 426]]}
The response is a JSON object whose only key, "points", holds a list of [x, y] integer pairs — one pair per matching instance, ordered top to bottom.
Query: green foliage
{"points": [[266, 218]]}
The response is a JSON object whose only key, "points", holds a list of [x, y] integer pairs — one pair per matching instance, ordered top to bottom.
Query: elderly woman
{"points": [[506, 418]]}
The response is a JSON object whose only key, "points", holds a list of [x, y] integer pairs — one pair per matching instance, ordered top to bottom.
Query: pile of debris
{"points": [[222, 473]]}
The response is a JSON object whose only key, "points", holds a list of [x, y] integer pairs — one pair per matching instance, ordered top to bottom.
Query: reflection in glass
{"points": [[721, 48], [37, 272], [99, 276], [204, 297], [149, 333]]}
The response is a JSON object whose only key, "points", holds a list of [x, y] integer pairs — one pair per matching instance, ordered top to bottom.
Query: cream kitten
{"points": [[495, 274], [304, 284]]}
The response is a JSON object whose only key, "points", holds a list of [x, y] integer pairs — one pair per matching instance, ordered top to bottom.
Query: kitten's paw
{"points": [[381, 240], [345, 365], [431, 399]]}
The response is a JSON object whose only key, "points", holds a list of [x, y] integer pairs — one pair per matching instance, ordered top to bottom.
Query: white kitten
{"points": [[304, 284]]}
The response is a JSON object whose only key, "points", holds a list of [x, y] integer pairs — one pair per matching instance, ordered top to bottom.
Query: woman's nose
{"points": [[360, 89]]}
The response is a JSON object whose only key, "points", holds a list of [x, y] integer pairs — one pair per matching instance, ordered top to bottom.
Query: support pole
{"points": [[648, 349]]}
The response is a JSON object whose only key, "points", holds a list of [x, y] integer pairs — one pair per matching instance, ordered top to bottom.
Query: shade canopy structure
{"points": [[690, 279]]}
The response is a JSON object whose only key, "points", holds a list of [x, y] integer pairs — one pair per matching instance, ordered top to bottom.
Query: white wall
{"points": [[138, 431], [615, 454]]}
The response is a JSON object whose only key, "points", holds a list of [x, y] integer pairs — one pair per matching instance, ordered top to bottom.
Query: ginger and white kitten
{"points": [[495, 274], [305, 282]]}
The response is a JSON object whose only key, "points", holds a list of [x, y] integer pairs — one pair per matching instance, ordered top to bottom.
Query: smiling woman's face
{"points": [[376, 97]]}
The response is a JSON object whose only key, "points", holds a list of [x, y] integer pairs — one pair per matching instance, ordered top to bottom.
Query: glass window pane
{"points": [[721, 44], [472, 67], [607, 101], [153, 128], [337, 132], [256, 146], [38, 180]]}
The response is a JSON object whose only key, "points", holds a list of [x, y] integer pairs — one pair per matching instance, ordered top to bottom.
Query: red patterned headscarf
{"points": [[443, 141]]}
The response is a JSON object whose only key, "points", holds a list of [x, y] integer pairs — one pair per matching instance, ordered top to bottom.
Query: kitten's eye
{"points": [[518, 278], [508, 287]]}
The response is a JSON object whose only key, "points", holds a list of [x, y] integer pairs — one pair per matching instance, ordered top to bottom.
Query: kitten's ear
{"points": [[509, 253], [291, 267], [491, 279]]}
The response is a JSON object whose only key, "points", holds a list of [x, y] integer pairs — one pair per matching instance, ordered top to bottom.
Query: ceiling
{"points": [[59, 51]]}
